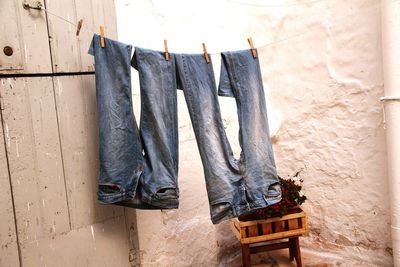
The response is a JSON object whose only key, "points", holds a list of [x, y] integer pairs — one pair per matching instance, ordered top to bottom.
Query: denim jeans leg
{"points": [[241, 78], [158, 127], [121, 159], [221, 170], [234, 187]]}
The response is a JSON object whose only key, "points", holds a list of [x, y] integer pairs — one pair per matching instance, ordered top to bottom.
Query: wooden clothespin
{"points": [[78, 27], [102, 43], [166, 50], [253, 50], [205, 53]]}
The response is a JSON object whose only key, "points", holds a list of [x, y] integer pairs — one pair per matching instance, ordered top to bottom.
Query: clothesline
{"points": [[275, 5], [294, 36]]}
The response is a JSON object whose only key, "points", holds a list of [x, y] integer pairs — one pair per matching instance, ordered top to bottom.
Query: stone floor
{"points": [[280, 258]]}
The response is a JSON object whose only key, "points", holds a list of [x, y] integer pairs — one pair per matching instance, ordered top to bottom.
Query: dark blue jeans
{"points": [[137, 169], [234, 186]]}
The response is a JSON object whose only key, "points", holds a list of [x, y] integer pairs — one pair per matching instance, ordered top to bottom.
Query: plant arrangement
{"points": [[292, 198]]}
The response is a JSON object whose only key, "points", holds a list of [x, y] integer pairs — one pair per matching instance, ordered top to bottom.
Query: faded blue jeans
{"points": [[137, 169], [234, 186]]}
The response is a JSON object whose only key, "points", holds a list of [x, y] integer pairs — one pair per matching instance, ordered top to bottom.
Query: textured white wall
{"points": [[321, 65]]}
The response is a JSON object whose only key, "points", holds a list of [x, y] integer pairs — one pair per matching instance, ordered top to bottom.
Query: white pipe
{"points": [[391, 71]]}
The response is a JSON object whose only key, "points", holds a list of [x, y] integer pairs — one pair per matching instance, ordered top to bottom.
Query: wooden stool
{"points": [[251, 233]]}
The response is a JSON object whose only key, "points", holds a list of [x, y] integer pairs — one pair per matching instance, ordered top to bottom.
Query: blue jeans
{"points": [[137, 169], [234, 186]]}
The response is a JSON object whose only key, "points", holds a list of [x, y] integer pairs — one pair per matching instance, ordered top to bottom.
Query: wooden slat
{"points": [[84, 10], [94, 13], [110, 18], [26, 32], [10, 34], [64, 45], [77, 112], [35, 163], [275, 219], [293, 224], [279, 226], [267, 228], [253, 230], [243, 232], [274, 236], [8, 237], [103, 244], [269, 247]]}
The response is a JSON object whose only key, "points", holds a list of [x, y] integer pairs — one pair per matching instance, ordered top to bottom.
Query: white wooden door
{"points": [[49, 141], [9, 246]]}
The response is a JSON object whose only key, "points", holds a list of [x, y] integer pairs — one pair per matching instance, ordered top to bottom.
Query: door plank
{"points": [[92, 12], [25, 31], [64, 44], [69, 52], [77, 111], [35, 163], [8, 237], [102, 244]]}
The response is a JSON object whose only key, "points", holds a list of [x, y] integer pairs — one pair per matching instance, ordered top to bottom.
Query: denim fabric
{"points": [[241, 78], [158, 127], [139, 169], [127, 176], [234, 187]]}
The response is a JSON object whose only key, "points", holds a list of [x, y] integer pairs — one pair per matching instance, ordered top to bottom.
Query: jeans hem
{"points": [[112, 198], [162, 203], [237, 210]]}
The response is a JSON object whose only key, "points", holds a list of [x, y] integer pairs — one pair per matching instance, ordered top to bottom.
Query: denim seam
{"points": [[175, 109]]}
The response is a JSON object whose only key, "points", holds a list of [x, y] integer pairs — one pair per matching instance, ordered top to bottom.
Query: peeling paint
{"points": [[25, 54], [9, 82], [59, 86], [8, 139], [16, 146], [53, 228], [92, 231]]}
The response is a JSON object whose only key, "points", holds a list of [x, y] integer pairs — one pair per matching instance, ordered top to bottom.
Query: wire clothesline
{"points": [[275, 5], [294, 36]]}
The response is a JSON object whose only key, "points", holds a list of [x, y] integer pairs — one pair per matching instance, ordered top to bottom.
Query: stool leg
{"points": [[291, 249], [297, 252], [246, 255]]}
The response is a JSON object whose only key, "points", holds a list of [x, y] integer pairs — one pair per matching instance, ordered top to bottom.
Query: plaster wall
{"points": [[322, 72]]}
